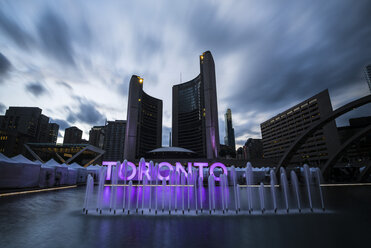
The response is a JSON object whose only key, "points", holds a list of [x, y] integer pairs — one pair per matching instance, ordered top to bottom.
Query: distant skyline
{"points": [[74, 59]]}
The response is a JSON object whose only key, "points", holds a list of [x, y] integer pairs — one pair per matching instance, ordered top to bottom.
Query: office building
{"points": [[195, 112], [144, 121], [20, 125], [53, 129], [280, 131], [72, 135], [96, 136], [229, 139], [114, 140], [253, 149]]}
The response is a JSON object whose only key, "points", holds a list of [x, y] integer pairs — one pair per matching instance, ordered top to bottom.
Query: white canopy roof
{"points": [[5, 158], [20, 158], [51, 163], [76, 165], [93, 167]]}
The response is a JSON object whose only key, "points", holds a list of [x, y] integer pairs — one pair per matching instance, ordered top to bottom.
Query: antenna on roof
{"points": [[180, 77]]}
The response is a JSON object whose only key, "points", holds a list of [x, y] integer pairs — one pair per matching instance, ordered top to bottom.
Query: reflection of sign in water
{"points": [[145, 170]]}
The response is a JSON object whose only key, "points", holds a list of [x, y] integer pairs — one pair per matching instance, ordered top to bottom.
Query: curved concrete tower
{"points": [[195, 112], [144, 121]]}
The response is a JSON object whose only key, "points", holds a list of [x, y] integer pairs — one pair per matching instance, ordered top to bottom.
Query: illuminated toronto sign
{"points": [[164, 169]]}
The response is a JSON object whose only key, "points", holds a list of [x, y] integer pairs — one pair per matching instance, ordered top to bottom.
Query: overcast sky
{"points": [[74, 59]]}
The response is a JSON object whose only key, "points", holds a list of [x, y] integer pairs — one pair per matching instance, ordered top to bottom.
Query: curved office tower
{"points": [[195, 112], [144, 121]]}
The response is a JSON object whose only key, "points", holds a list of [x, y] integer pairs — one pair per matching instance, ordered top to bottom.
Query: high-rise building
{"points": [[368, 75], [195, 112], [24, 120], [144, 121], [20, 125], [53, 129], [279, 132], [72, 135], [96, 136], [229, 139], [114, 140], [253, 149]]}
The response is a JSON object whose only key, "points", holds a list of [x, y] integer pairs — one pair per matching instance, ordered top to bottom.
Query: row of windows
{"points": [[289, 114]]}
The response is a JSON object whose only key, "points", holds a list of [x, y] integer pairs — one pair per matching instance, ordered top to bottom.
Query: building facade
{"points": [[195, 112], [144, 121], [20, 125], [53, 129], [279, 132], [72, 135], [96, 136], [229, 139], [114, 140], [253, 149]]}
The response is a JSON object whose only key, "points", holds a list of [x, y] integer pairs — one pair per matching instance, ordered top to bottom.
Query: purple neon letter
{"points": [[109, 165], [218, 165], [179, 168], [201, 168], [144, 169], [133, 171], [160, 177]]}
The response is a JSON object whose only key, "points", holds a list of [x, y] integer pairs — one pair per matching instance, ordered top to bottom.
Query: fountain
{"points": [[307, 177], [295, 185], [273, 189], [285, 189], [184, 191], [88, 193], [262, 197]]}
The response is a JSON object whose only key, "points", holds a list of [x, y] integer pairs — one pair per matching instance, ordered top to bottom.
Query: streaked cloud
{"points": [[269, 55]]}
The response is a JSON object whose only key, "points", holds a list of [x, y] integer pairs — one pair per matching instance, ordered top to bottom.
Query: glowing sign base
{"points": [[194, 192]]}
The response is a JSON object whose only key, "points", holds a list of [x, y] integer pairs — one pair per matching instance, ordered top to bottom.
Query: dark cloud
{"points": [[15, 32], [211, 32], [55, 37], [301, 51], [5, 66], [64, 84], [36, 89], [2, 108], [87, 113], [71, 118], [62, 123]]}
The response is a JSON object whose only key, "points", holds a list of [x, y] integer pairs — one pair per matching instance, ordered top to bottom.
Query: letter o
{"points": [[214, 165], [134, 171], [160, 177]]}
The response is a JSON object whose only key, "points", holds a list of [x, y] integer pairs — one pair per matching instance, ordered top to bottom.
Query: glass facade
{"points": [[190, 118], [148, 124]]}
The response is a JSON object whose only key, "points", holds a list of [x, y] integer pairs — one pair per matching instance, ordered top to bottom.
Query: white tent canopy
{"points": [[20, 158], [81, 172], [61, 173], [15, 174], [72, 174]]}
